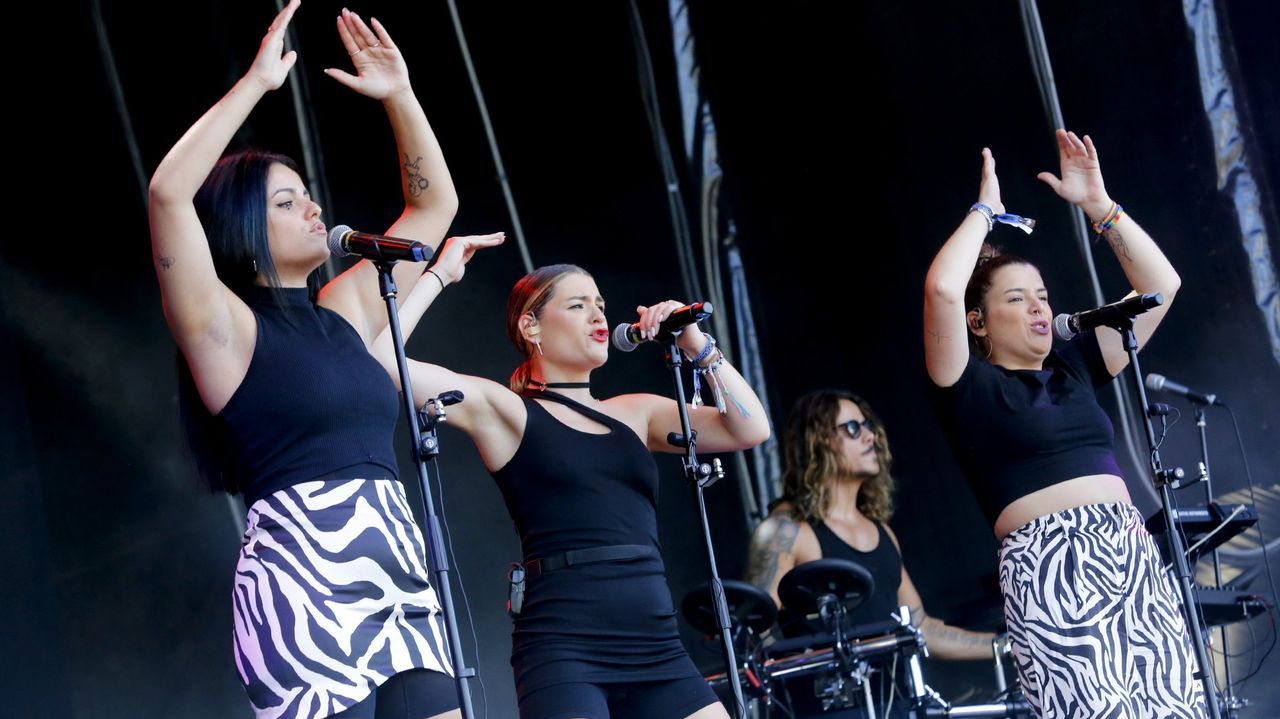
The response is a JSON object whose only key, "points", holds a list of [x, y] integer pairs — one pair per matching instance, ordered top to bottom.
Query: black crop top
{"points": [[314, 402], [1019, 431]]}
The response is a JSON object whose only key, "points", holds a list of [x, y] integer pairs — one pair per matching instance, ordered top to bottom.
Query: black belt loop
{"points": [[611, 553]]}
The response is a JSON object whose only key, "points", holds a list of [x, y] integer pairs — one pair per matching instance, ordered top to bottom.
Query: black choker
{"points": [[565, 385]]}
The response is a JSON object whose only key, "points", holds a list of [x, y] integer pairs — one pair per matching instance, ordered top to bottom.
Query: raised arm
{"points": [[430, 199], [1145, 266], [214, 329], [946, 338], [742, 426], [944, 641]]}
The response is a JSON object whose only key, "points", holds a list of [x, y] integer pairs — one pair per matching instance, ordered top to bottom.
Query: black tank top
{"points": [[314, 402], [568, 489], [883, 562], [601, 622]]}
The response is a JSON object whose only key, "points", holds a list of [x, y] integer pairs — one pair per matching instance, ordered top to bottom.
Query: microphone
{"points": [[345, 241], [1067, 326], [627, 337], [1159, 383]]}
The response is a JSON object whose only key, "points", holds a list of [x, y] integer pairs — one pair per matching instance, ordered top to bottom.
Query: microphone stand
{"points": [[425, 446], [700, 476], [1165, 481], [1229, 698]]}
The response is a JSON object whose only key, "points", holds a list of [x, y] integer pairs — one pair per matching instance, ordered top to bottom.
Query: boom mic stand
{"points": [[425, 446], [700, 476], [1163, 479]]}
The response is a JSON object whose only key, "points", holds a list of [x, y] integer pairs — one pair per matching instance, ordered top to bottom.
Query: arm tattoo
{"points": [[414, 181], [1118, 245], [165, 261], [938, 337], [774, 541], [938, 632]]}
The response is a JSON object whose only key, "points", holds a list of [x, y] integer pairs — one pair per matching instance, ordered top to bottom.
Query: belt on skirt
{"points": [[610, 553]]}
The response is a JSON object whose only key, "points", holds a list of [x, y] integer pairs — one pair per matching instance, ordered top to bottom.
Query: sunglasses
{"points": [[854, 427]]}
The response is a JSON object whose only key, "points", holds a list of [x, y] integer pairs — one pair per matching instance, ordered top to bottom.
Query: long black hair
{"points": [[232, 207]]}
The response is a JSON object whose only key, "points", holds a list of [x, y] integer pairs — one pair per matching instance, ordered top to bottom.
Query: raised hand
{"points": [[272, 64], [380, 68], [1081, 181], [989, 189], [458, 251]]}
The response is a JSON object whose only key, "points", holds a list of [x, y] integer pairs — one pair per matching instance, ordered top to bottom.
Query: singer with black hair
{"points": [[282, 402], [1093, 621], [596, 636]]}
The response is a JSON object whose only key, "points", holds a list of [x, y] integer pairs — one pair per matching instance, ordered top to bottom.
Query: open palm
{"points": [[380, 68], [1081, 180]]}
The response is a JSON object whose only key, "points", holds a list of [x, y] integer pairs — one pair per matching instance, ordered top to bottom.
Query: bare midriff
{"points": [[1091, 489]]}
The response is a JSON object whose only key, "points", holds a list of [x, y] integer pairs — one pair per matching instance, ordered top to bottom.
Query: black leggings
{"points": [[413, 694], [670, 699]]}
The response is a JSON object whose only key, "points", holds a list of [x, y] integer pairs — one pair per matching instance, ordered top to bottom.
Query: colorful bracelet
{"points": [[1109, 220], [707, 349]]}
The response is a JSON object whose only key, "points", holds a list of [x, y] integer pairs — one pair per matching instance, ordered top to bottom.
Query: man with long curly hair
{"points": [[838, 497]]}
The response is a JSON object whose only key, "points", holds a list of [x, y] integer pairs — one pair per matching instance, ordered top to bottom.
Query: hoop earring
{"points": [[988, 350]]}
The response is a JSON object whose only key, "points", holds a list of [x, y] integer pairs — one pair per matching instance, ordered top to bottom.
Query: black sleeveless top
{"points": [[313, 404], [883, 562], [602, 622]]}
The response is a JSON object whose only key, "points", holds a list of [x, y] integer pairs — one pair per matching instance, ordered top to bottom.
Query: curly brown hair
{"points": [[812, 461]]}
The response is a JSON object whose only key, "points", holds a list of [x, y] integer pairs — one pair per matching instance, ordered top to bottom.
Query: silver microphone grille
{"points": [[335, 241], [1062, 327], [621, 341]]}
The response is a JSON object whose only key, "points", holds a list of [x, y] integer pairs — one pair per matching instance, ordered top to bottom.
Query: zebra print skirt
{"points": [[331, 597], [1093, 622]]}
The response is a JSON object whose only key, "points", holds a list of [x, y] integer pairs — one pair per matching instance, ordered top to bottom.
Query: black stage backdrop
{"points": [[850, 145]]}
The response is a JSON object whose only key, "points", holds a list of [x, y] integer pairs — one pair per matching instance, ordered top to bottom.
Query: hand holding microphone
{"points": [[660, 322]]}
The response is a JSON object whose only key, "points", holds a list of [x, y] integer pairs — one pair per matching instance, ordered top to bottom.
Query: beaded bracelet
{"points": [[1109, 220], [707, 349]]}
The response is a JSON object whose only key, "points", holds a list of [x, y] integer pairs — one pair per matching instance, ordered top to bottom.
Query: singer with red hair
{"points": [[596, 636]]}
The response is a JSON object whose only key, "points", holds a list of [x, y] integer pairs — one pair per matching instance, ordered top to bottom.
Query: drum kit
{"points": [[820, 664]]}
